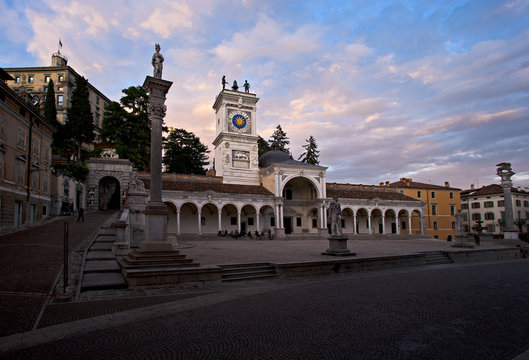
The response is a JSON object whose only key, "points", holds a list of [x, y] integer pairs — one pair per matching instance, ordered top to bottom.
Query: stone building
{"points": [[35, 80], [25, 158], [274, 192], [487, 204], [441, 205]]}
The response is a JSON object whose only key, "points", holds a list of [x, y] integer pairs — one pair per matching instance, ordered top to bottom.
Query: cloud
{"points": [[174, 18]]}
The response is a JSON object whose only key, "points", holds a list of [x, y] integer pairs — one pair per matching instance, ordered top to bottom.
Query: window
{"points": [[61, 77], [17, 79], [31, 79], [47, 79], [60, 88], [45, 90], [29, 91], [60, 100], [97, 100], [97, 119], [2, 128], [21, 138], [36, 147], [46, 153], [1, 166], [21, 173], [35, 180], [45, 183], [402, 192], [419, 193], [433, 194], [451, 194], [518, 202], [501, 203], [526, 203], [488, 204], [475, 205], [464, 206], [434, 209], [44, 210], [452, 210], [476, 216], [489, 216], [465, 217], [233, 220], [250, 221], [272, 221], [298, 222], [314, 223], [403, 225], [435, 225], [453, 225], [491, 228]]}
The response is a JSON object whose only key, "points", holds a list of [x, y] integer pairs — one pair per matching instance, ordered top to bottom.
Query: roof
{"points": [[280, 157], [419, 185], [202, 186], [493, 189], [368, 194]]}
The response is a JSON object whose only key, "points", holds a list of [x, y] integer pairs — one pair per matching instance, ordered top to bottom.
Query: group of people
{"points": [[249, 235]]}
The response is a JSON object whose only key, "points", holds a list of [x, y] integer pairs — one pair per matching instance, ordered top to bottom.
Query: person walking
{"points": [[81, 214]]}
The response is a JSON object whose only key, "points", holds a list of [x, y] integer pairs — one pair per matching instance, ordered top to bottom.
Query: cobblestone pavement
{"points": [[30, 261], [473, 311]]}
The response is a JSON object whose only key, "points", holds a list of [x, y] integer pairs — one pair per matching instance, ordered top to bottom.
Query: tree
{"points": [[50, 110], [79, 121], [126, 126], [279, 140], [262, 146], [184, 153], [311, 154]]}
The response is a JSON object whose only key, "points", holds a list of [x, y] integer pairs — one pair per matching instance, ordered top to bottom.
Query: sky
{"points": [[430, 90]]}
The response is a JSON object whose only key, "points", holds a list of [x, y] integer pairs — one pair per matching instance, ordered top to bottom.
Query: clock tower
{"points": [[236, 155]]}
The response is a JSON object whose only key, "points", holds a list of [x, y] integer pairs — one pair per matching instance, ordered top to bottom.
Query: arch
{"points": [[313, 181], [109, 193], [299, 195], [229, 215], [266, 215], [189, 218], [209, 218], [248, 218], [362, 221], [390, 221], [416, 222], [172, 223], [348, 223], [404, 223], [377, 227]]}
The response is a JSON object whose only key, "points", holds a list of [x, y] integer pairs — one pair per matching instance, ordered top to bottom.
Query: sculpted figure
{"points": [[157, 62], [224, 82], [246, 86], [235, 87], [335, 217], [459, 223]]}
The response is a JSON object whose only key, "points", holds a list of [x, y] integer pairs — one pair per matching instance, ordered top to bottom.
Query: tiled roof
{"points": [[419, 185], [201, 186], [493, 189], [368, 195]]}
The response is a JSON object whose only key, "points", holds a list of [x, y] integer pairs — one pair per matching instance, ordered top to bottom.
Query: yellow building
{"points": [[441, 205]]}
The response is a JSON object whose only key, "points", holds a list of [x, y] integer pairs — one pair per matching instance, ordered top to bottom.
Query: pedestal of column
{"points": [[462, 241], [338, 246]]}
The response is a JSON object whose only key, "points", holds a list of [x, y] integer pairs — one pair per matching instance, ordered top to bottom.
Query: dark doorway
{"points": [[109, 194], [287, 220], [393, 228]]}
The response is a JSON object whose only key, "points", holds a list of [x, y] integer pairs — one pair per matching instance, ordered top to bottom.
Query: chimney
{"points": [[387, 183], [381, 184], [447, 184], [471, 186]]}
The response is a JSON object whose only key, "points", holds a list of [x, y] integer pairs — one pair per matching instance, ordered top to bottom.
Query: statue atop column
{"points": [[157, 62], [224, 82], [246, 86], [235, 87]]}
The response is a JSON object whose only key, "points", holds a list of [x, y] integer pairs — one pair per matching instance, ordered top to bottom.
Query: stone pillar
{"points": [[505, 172], [156, 212], [199, 214], [220, 219], [383, 219], [239, 221], [257, 221], [178, 222], [354, 223], [369, 224], [409, 224], [423, 224], [397, 225]]}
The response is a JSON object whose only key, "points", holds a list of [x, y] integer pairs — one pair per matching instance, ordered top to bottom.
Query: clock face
{"points": [[239, 121]]}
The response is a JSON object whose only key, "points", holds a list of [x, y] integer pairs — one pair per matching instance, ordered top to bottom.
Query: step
{"points": [[106, 238], [101, 246], [134, 254], [100, 255], [127, 263], [244, 265], [94, 266], [247, 268], [248, 273], [243, 278], [101, 281]]}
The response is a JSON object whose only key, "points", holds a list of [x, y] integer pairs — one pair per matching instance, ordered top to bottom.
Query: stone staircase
{"points": [[437, 258], [138, 260], [101, 270], [240, 272]]}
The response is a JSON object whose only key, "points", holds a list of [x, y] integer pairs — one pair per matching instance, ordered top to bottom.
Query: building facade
{"points": [[35, 80], [25, 159], [274, 193], [486, 204], [441, 205]]}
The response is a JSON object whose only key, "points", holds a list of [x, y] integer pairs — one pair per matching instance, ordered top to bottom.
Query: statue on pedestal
{"points": [[157, 62], [224, 82], [246, 86], [235, 87], [335, 217], [459, 223]]}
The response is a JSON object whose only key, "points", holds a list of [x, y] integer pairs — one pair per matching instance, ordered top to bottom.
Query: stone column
{"points": [[505, 172], [156, 212], [199, 214], [220, 219], [383, 219], [239, 221], [257, 221], [178, 222], [354, 223], [397, 225], [409, 225], [423, 225], [370, 231]]}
